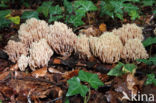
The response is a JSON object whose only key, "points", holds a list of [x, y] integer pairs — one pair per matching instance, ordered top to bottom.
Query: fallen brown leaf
{"points": [[102, 27], [14, 67], [52, 70], [40, 72], [71, 74], [4, 75]]}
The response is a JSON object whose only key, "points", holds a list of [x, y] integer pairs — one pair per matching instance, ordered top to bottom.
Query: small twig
{"points": [[88, 18], [84, 26], [6, 78], [38, 80], [28, 97], [54, 100]]}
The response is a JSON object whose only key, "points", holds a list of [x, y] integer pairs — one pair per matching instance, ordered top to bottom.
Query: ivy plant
{"points": [[148, 2], [45, 8], [117, 8], [77, 10], [55, 13], [29, 14], [6, 19], [149, 41], [150, 61], [121, 69], [151, 79], [76, 87]]}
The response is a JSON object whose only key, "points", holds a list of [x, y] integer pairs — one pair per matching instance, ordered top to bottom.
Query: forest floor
{"points": [[49, 84]]}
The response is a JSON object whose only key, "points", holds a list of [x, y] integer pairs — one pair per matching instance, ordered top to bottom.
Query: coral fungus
{"points": [[33, 30], [129, 31], [61, 39], [82, 46], [107, 47], [15, 50], [133, 50], [40, 53], [23, 62]]}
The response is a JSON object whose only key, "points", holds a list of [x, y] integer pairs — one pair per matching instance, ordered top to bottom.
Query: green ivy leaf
{"points": [[132, 0], [148, 2], [3, 5], [85, 5], [68, 6], [129, 7], [44, 8], [107, 8], [54, 10], [131, 10], [154, 11], [4, 13], [55, 13], [29, 14], [133, 14], [54, 18], [15, 19], [76, 20], [4, 22], [149, 41], [153, 60], [145, 61], [150, 61], [129, 68], [116, 71], [91, 78], [151, 79], [76, 88], [67, 100]]}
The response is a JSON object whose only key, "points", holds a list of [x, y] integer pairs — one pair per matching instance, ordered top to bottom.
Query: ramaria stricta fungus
{"points": [[33, 30], [129, 31], [61, 39], [40, 40], [82, 46], [107, 47], [15, 50], [133, 50], [40, 53], [23, 62]]}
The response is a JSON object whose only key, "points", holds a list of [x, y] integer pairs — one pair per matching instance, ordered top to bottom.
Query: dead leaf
{"points": [[102, 27], [91, 31], [56, 61], [14, 67], [52, 70], [40, 72], [71, 74], [4, 75], [131, 82]]}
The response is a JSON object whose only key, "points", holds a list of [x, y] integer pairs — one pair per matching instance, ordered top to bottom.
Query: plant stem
{"points": [[85, 99]]}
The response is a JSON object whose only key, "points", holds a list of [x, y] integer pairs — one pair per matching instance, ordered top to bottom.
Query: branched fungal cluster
{"points": [[39, 41]]}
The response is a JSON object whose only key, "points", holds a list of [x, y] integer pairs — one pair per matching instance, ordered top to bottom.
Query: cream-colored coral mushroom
{"points": [[33, 30], [129, 31], [62, 39], [82, 46], [107, 47], [15, 50], [133, 50], [40, 53], [23, 62]]}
